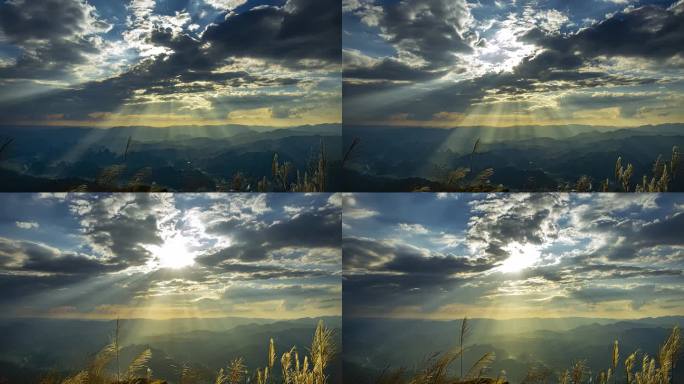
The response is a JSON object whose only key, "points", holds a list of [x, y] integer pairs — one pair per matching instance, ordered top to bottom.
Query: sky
{"points": [[161, 63], [448, 63], [162, 256], [503, 256]]}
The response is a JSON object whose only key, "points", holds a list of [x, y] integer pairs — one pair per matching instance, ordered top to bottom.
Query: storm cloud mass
{"points": [[159, 63], [470, 63], [165, 255], [513, 255]]}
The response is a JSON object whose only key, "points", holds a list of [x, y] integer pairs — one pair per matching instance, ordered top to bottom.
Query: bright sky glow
{"points": [[168, 63], [449, 63], [158, 256], [442, 256]]}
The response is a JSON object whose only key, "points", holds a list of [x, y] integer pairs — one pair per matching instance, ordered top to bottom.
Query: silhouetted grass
{"points": [[307, 369], [652, 370]]}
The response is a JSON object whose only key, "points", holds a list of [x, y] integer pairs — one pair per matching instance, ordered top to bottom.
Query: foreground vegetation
{"points": [[663, 173], [121, 175], [284, 177], [466, 179], [639, 368], [105, 369], [654, 370]]}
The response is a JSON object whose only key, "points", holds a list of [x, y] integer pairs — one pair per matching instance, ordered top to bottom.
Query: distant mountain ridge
{"points": [[148, 133], [522, 158], [191, 159], [373, 345], [31, 347]]}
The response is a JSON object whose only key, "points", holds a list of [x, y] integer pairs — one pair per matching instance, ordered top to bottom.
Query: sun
{"points": [[174, 253], [521, 256]]}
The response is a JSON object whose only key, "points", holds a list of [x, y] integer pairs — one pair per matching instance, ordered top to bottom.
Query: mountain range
{"points": [[193, 158], [536, 158], [373, 345], [32, 348]]}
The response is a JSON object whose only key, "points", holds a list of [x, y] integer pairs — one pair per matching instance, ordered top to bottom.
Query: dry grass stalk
{"points": [[465, 331], [653, 371]]}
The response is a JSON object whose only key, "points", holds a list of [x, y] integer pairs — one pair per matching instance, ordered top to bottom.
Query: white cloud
{"points": [[225, 4], [142, 22], [61, 196], [335, 200], [293, 210], [352, 211], [358, 213], [27, 224], [414, 228], [449, 240]]}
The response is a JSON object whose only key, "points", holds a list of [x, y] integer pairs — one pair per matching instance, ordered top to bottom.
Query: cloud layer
{"points": [[204, 63], [445, 63], [162, 255], [515, 255]]}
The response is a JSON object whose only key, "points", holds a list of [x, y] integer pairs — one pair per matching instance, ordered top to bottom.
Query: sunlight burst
{"points": [[174, 253], [521, 256]]}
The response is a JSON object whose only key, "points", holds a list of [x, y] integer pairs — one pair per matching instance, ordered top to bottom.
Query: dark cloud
{"points": [[26, 20], [301, 30], [433, 30], [649, 32], [429, 33], [52, 35], [389, 69], [96, 96], [417, 103], [527, 219], [512, 226], [121, 227], [308, 230], [667, 231], [124, 237], [629, 238], [360, 253], [373, 255], [35, 257], [67, 263], [435, 265], [263, 272], [386, 275], [382, 292]]}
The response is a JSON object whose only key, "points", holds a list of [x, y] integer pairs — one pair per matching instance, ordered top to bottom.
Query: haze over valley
{"points": [[546, 283], [168, 286]]}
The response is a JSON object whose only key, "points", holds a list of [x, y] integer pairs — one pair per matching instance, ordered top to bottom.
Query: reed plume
{"points": [[465, 330], [138, 364], [476, 371]]}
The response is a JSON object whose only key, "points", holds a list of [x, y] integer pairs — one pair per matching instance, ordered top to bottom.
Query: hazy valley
{"points": [[208, 158], [522, 158], [374, 347], [36, 348]]}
